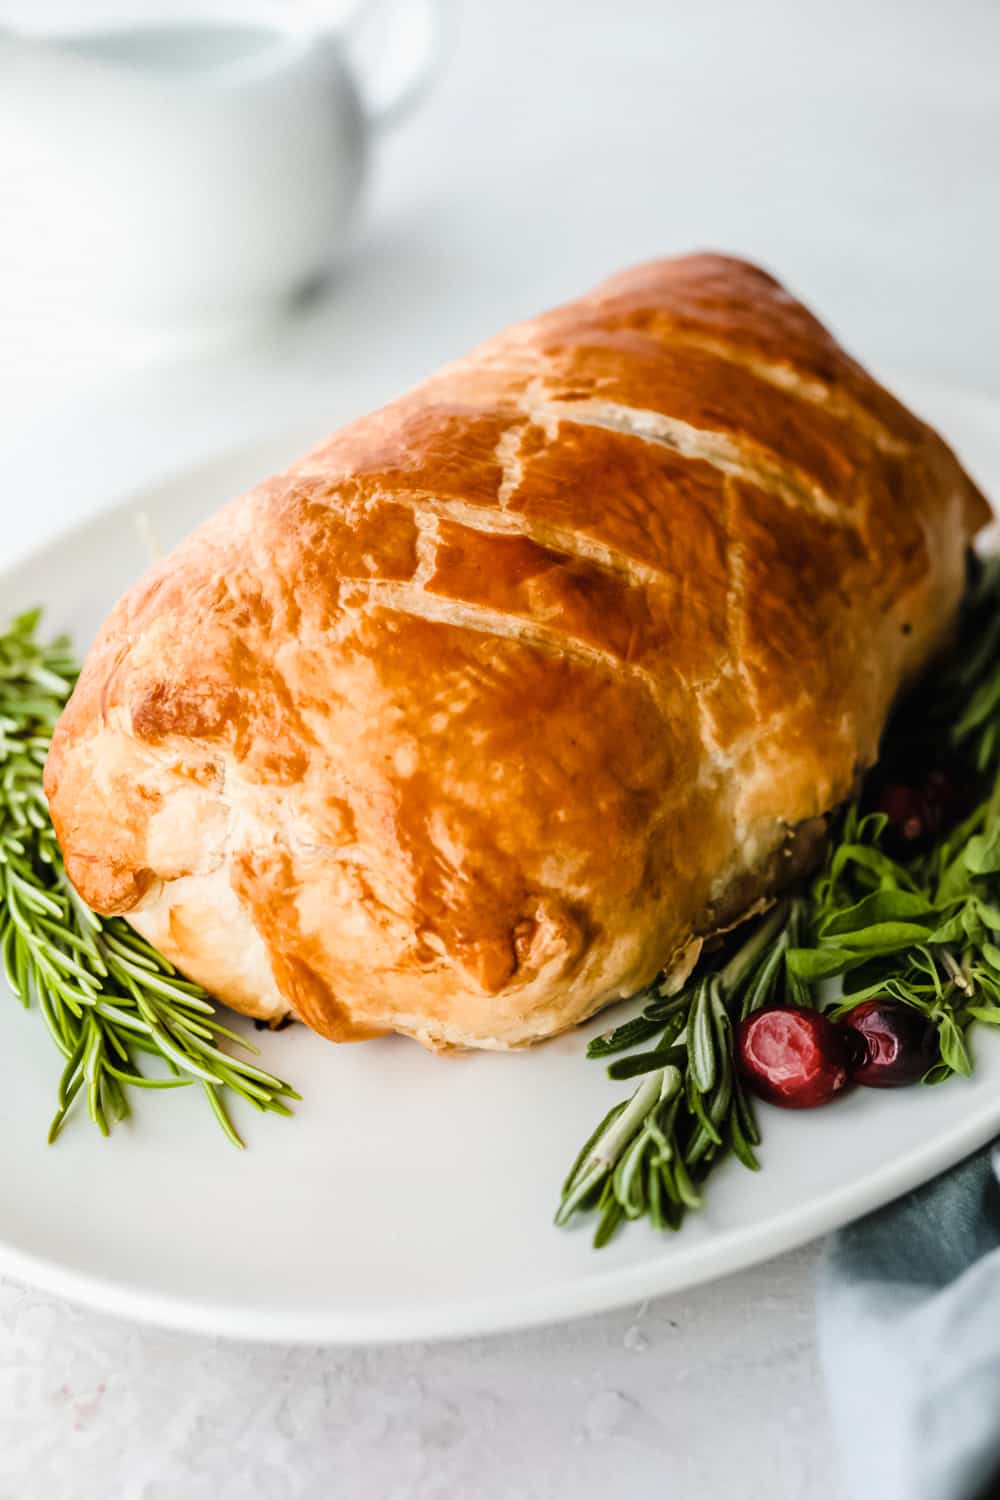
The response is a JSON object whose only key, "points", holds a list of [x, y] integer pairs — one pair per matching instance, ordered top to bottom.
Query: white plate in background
{"points": [[411, 1196]]}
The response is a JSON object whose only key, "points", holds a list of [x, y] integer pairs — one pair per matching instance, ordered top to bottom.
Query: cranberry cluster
{"points": [[799, 1058]]}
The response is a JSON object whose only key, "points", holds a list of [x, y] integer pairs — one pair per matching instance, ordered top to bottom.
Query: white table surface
{"points": [[852, 147]]}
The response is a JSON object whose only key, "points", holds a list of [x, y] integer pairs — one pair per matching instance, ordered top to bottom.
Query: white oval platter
{"points": [[411, 1196]]}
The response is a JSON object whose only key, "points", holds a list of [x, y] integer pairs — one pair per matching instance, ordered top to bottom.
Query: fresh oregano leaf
{"points": [[881, 909]]}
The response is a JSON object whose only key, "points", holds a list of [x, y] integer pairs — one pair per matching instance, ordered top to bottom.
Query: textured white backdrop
{"points": [[854, 148], [711, 1394]]}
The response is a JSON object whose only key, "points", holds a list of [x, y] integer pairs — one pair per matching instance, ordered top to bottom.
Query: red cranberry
{"points": [[919, 806], [908, 830], [890, 1044], [795, 1058]]}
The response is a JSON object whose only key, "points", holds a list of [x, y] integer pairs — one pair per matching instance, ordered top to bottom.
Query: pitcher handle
{"points": [[396, 48]]}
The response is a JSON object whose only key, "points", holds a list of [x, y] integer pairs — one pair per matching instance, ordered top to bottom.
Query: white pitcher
{"points": [[193, 172]]}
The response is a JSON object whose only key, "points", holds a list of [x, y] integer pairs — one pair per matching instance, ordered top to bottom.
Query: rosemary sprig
{"points": [[925, 932], [106, 996], [651, 1153]]}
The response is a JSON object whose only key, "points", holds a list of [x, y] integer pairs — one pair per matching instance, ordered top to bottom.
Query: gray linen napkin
{"points": [[909, 1334]]}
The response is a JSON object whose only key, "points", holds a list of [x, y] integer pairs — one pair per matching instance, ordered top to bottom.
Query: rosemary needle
{"points": [[107, 998]]}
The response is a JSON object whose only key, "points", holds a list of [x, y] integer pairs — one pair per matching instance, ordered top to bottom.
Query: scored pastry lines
{"points": [[818, 392], [717, 449], [508, 457], [428, 511], [491, 522], [428, 525], [407, 599], [737, 600], [733, 667]]}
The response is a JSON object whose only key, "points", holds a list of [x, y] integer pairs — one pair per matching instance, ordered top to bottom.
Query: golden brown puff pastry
{"points": [[493, 705]]}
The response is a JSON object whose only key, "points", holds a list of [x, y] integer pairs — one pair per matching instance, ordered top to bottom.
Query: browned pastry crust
{"points": [[477, 717]]}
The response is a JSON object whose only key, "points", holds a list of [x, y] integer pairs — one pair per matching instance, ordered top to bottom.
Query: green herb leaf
{"points": [[982, 854], [882, 909], [950, 931], [882, 937], [813, 964], [701, 1042], [954, 1052]]}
